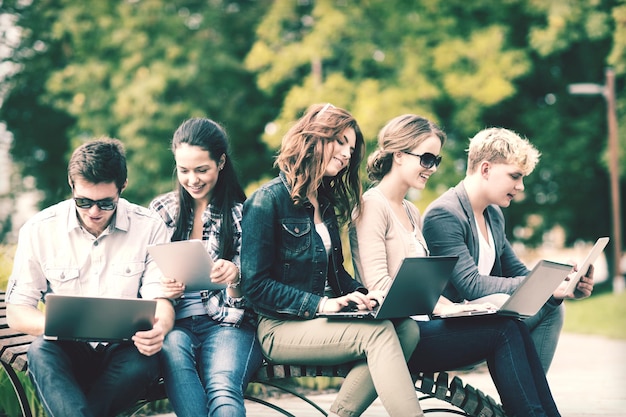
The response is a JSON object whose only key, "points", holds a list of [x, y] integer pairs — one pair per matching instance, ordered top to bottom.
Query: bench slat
{"points": [[441, 386]]}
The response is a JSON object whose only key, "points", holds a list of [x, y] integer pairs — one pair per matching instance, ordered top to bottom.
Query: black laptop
{"points": [[415, 290], [96, 319]]}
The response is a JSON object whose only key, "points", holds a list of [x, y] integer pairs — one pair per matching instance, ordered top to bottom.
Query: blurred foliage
{"points": [[467, 65], [135, 69], [132, 70], [7, 253], [9, 405]]}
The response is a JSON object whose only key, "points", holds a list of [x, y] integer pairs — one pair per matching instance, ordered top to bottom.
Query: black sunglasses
{"points": [[427, 159], [86, 203]]}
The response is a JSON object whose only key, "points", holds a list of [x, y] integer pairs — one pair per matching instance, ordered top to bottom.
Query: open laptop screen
{"points": [[96, 319]]}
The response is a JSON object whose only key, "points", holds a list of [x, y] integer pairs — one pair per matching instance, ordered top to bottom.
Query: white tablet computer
{"points": [[186, 261], [582, 268]]}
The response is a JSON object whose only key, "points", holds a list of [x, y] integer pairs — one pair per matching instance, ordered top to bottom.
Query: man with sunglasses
{"points": [[467, 221], [93, 244]]}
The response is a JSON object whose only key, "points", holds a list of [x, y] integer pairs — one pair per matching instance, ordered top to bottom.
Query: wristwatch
{"points": [[235, 284]]}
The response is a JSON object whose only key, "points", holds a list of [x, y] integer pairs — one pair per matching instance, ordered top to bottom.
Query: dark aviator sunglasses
{"points": [[427, 159], [86, 203]]}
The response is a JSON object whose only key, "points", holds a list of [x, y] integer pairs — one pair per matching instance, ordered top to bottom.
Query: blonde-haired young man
{"points": [[467, 220]]}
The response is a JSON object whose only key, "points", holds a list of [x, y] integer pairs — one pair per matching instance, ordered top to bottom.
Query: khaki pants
{"points": [[383, 353]]}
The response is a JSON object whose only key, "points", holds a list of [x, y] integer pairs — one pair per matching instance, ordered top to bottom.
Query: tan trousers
{"points": [[382, 370]]}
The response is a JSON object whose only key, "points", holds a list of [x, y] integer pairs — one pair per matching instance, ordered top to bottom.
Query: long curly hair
{"points": [[303, 159]]}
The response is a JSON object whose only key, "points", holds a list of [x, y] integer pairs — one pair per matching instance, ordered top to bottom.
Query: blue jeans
{"points": [[545, 326], [545, 329], [507, 346], [207, 367], [73, 379]]}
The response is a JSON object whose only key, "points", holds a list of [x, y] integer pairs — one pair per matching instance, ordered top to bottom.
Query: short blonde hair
{"points": [[499, 145]]}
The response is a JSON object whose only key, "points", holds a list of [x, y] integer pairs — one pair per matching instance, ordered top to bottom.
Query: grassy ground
{"points": [[603, 314]]}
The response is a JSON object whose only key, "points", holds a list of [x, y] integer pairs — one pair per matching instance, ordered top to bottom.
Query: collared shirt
{"points": [[56, 254], [218, 305]]}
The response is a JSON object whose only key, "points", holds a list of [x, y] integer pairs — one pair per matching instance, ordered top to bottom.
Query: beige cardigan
{"points": [[379, 242]]}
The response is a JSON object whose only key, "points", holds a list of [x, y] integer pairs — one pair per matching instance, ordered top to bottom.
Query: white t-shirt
{"points": [[322, 230], [486, 252]]}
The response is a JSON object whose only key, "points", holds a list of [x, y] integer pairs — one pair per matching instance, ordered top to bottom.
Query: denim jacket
{"points": [[284, 265]]}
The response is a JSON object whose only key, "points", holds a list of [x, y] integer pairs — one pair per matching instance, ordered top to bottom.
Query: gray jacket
{"points": [[450, 229]]}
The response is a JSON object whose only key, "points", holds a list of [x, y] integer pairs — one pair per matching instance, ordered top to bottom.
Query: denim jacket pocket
{"points": [[296, 235]]}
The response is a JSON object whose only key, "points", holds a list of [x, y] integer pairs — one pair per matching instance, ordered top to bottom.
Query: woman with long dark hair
{"points": [[212, 352]]}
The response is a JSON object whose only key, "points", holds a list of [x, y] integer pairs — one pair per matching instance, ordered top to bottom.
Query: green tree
{"points": [[571, 43], [448, 60], [467, 65], [136, 69], [39, 130]]}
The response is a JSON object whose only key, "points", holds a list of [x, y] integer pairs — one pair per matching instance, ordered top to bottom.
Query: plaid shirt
{"points": [[218, 304]]}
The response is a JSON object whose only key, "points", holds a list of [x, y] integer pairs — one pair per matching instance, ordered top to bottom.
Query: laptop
{"points": [[589, 260], [186, 261], [415, 290], [531, 294], [96, 319]]}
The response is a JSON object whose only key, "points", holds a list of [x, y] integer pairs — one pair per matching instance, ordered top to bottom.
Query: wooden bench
{"points": [[456, 398]]}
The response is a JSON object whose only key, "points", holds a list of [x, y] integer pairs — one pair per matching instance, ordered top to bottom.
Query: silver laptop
{"points": [[186, 261], [415, 290], [531, 294], [96, 319]]}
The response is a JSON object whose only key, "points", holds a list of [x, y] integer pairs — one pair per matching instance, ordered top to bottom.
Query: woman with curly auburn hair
{"points": [[292, 268]]}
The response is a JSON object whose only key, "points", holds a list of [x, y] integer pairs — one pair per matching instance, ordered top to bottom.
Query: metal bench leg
{"points": [[19, 390], [293, 392]]}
